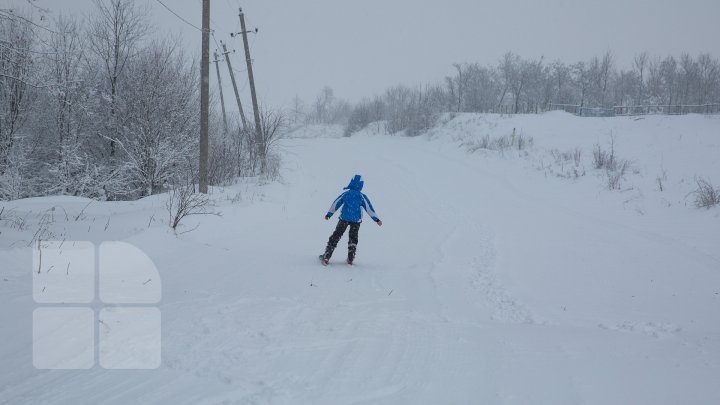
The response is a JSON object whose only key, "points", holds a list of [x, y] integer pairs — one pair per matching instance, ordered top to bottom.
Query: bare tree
{"points": [[116, 29], [16, 62], [641, 62], [507, 72], [518, 74], [561, 75], [604, 75], [709, 76], [668, 78], [581, 79], [457, 87], [482, 90], [397, 100], [65, 105], [322, 106], [297, 114], [159, 123], [273, 123]]}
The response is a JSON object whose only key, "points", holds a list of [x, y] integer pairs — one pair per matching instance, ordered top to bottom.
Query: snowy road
{"points": [[478, 288]]}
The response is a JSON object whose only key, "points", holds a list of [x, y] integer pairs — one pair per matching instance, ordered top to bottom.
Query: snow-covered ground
{"points": [[496, 278]]}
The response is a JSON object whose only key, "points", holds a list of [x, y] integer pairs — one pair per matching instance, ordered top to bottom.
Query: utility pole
{"points": [[232, 78], [204, 96], [222, 99], [256, 111]]}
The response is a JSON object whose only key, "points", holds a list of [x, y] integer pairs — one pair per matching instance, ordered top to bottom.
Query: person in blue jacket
{"points": [[352, 202]]}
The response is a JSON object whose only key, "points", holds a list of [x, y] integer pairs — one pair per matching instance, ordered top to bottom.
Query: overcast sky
{"points": [[360, 47]]}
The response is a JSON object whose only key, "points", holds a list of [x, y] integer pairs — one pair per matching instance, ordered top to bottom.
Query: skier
{"points": [[352, 201]]}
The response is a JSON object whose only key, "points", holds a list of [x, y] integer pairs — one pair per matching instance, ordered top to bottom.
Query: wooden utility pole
{"points": [[232, 78], [204, 96], [222, 99], [256, 111]]}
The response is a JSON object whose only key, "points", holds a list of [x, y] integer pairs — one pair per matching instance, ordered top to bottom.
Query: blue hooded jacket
{"points": [[352, 202]]}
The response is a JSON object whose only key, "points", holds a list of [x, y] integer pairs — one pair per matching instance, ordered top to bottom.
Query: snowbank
{"points": [[493, 279]]}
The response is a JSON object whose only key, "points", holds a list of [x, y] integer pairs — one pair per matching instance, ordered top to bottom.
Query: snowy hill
{"points": [[501, 275]]}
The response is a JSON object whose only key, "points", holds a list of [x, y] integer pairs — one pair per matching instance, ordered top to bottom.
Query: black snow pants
{"points": [[335, 238]]}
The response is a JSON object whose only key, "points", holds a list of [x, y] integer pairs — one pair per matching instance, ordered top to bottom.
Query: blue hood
{"points": [[355, 184]]}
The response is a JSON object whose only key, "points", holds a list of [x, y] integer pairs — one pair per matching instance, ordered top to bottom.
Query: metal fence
{"points": [[668, 109], [637, 110]]}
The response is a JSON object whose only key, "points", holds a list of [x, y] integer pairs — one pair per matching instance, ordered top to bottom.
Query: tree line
{"points": [[518, 85], [102, 108]]}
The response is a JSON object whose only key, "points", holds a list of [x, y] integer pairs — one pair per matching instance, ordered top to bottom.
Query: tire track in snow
{"points": [[467, 235], [479, 271], [505, 308]]}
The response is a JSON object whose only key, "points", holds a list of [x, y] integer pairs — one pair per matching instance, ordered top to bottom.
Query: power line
{"points": [[231, 7], [44, 10], [10, 16], [178, 16], [217, 26], [215, 40], [252, 44], [21, 50], [225, 55], [245, 85]]}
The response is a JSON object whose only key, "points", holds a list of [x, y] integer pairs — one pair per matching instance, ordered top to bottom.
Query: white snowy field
{"points": [[498, 277]]}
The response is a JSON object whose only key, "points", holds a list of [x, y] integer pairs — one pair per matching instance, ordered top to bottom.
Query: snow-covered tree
{"points": [[158, 123]]}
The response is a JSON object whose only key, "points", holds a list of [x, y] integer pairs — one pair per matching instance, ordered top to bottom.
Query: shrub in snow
{"points": [[502, 143], [573, 156], [602, 158], [570, 163], [223, 164], [272, 168], [615, 168], [616, 173], [661, 179], [706, 196], [183, 202]]}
